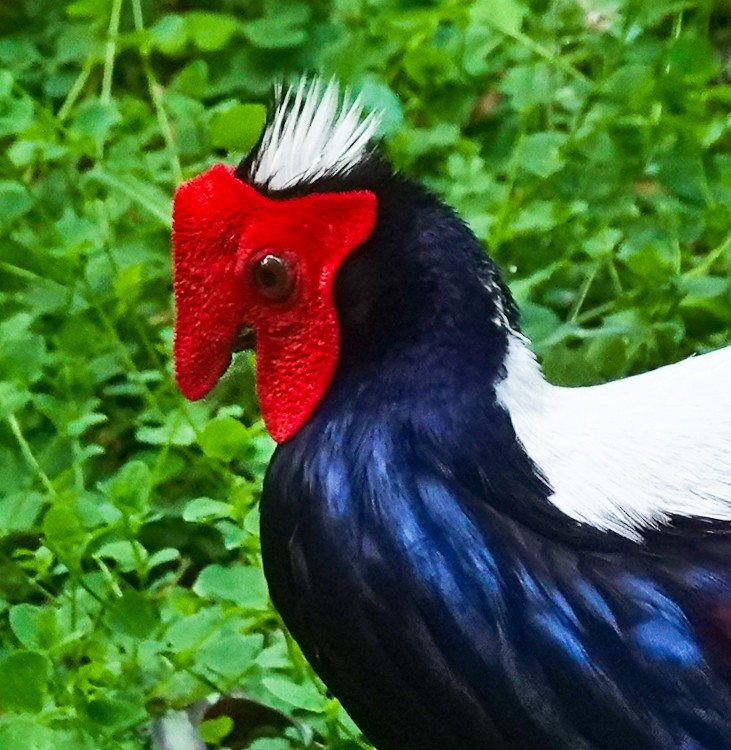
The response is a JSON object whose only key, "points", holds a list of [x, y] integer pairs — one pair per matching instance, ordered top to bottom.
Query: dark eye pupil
{"points": [[272, 276], [268, 277]]}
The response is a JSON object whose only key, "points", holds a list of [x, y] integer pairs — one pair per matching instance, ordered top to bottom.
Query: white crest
{"points": [[314, 132], [628, 455]]}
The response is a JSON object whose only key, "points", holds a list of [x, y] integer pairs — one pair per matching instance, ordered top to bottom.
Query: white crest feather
{"points": [[314, 132], [628, 455]]}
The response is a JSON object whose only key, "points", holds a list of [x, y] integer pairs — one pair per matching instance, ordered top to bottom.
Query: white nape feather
{"points": [[314, 132], [628, 455]]}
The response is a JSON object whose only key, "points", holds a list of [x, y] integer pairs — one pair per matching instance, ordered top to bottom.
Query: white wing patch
{"points": [[314, 132], [626, 456]]}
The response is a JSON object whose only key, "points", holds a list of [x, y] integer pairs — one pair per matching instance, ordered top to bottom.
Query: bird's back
{"points": [[631, 454]]}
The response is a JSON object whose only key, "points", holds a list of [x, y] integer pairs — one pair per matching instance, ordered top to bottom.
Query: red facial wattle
{"points": [[221, 226]]}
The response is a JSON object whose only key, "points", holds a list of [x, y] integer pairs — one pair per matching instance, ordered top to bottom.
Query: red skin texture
{"points": [[220, 226]]}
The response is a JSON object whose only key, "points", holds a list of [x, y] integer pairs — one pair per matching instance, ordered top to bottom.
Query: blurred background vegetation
{"points": [[586, 142]]}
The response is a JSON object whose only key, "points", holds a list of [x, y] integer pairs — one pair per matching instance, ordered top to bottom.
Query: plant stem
{"points": [[111, 51], [546, 54], [75, 91], [156, 93], [512, 172], [163, 214], [705, 265], [614, 275], [583, 291], [595, 312], [29, 456]]}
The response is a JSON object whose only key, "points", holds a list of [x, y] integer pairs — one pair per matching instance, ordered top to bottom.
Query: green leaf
{"points": [[92, 9], [294, 12], [505, 15], [281, 27], [210, 31], [274, 33], [169, 34], [480, 41], [693, 57], [426, 64], [193, 79], [630, 83], [6, 84], [529, 85], [379, 97], [17, 116], [95, 119], [237, 127], [540, 153], [684, 174], [15, 202], [536, 218], [602, 243], [650, 253], [128, 284], [706, 302], [538, 321], [24, 352], [608, 353], [569, 366], [77, 427], [175, 431], [224, 438], [130, 487], [206, 509], [19, 511], [251, 521], [64, 534], [233, 535], [125, 553], [162, 557], [244, 587], [133, 614], [34, 627], [188, 633], [230, 655], [23, 681], [305, 697], [115, 712], [215, 730], [22, 732], [279, 743]]}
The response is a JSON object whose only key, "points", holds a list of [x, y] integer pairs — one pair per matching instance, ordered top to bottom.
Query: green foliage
{"points": [[586, 142]]}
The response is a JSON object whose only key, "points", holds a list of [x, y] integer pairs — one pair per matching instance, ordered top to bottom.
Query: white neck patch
{"points": [[314, 132], [628, 455]]}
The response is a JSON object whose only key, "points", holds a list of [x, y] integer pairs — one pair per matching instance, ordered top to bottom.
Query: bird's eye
{"points": [[273, 277]]}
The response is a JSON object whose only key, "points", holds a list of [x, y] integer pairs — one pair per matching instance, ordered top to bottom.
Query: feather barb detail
{"points": [[314, 132]]}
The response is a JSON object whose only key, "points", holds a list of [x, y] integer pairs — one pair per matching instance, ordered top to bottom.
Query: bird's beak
{"points": [[245, 339]]}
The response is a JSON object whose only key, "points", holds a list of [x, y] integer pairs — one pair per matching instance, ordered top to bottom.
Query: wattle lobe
{"points": [[199, 364], [294, 372]]}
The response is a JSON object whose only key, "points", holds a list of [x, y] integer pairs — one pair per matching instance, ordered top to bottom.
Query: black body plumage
{"points": [[410, 546]]}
